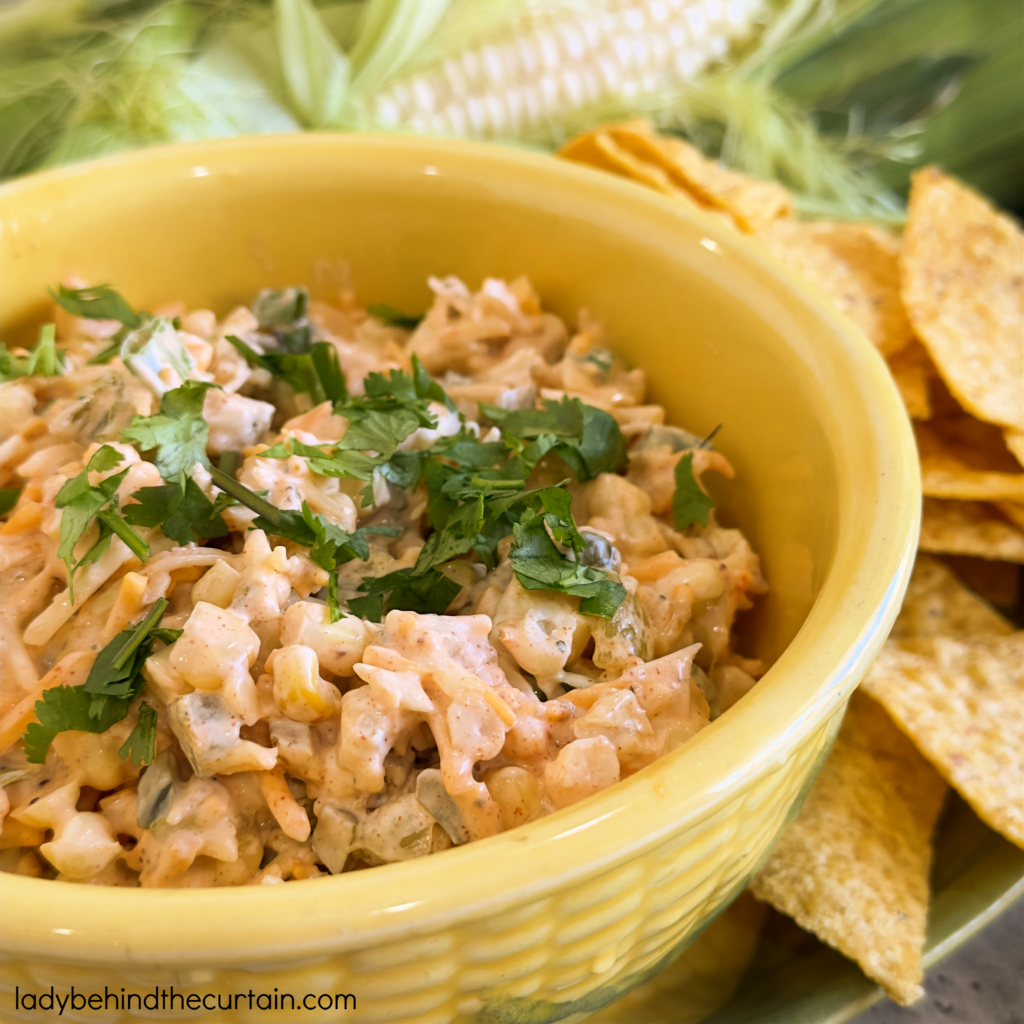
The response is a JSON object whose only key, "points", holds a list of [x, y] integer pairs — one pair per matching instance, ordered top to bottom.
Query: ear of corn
{"points": [[535, 76]]}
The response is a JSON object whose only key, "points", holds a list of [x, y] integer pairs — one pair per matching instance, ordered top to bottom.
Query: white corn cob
{"points": [[544, 68]]}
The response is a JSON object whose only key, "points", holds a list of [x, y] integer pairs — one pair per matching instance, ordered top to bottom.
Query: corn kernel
{"points": [[217, 585], [298, 689], [517, 794]]}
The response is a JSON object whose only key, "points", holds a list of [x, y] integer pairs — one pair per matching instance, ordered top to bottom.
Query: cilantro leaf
{"points": [[100, 302], [393, 317], [44, 360], [310, 368], [399, 390], [559, 419], [380, 431], [178, 432], [587, 438], [600, 449], [8, 499], [689, 502], [81, 503], [185, 515], [459, 535], [330, 545], [539, 565], [430, 593], [333, 600], [115, 672], [114, 681], [63, 708], [141, 742]]}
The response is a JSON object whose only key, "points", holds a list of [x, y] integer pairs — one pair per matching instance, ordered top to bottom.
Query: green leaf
{"points": [[316, 72], [100, 302], [393, 317], [44, 360], [312, 369], [328, 370], [428, 388], [559, 419], [178, 432], [379, 432], [587, 438], [601, 449], [8, 499], [689, 502], [80, 503], [185, 515], [112, 519], [458, 536], [539, 565], [428, 594], [333, 601], [370, 607], [116, 670], [115, 680], [63, 708], [141, 742]]}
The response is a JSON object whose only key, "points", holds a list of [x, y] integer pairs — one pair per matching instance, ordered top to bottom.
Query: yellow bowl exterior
{"points": [[562, 915]]}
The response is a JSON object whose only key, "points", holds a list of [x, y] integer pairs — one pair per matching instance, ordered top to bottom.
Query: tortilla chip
{"points": [[599, 149], [754, 204], [855, 266], [962, 272], [913, 371], [1015, 444], [967, 460], [1013, 512], [969, 528], [998, 583], [938, 604], [962, 703], [853, 867]]}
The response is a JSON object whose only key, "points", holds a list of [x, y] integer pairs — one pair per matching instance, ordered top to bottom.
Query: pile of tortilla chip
{"points": [[943, 704]]}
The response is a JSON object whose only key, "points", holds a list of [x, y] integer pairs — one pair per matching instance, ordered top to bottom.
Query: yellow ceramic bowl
{"points": [[564, 914]]}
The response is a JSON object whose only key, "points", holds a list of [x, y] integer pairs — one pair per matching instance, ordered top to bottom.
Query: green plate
{"points": [[758, 967]]}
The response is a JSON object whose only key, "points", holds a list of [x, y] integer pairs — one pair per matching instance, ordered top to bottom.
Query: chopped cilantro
{"points": [[100, 302], [393, 317], [44, 360], [308, 367], [311, 368], [398, 390], [178, 432], [588, 439], [8, 499], [689, 503], [80, 504], [185, 515], [329, 545], [539, 565], [430, 593], [333, 600], [115, 672], [105, 698], [68, 707], [141, 742]]}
